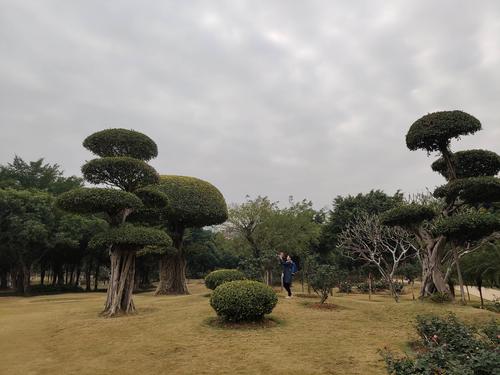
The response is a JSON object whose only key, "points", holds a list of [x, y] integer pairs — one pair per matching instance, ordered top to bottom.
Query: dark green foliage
{"points": [[434, 131], [121, 142], [470, 163], [123, 172], [36, 175], [473, 190], [152, 197], [94, 200], [192, 202], [345, 209], [408, 215], [467, 226], [131, 237], [218, 277], [323, 279], [345, 287], [243, 300], [448, 346]]}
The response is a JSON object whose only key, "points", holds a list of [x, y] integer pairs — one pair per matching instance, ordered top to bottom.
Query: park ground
{"points": [[63, 334]]}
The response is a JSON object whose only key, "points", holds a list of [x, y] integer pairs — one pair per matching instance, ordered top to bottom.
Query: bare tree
{"points": [[366, 239]]}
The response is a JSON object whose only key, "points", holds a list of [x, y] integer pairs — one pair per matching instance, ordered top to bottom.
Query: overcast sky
{"points": [[305, 98]]}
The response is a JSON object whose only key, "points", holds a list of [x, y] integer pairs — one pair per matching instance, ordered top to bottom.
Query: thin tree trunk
{"points": [[88, 272], [42, 273], [459, 273], [96, 276], [479, 283], [121, 284], [369, 286], [468, 294]]}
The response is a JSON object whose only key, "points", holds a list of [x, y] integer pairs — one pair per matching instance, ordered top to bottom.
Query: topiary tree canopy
{"points": [[434, 131], [121, 142], [470, 163], [121, 166], [123, 172], [473, 190], [92, 200], [188, 202], [192, 202], [407, 216], [467, 226], [446, 234]]}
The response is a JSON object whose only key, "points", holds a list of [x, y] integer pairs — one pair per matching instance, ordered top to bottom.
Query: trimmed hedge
{"points": [[434, 131], [121, 142], [472, 190], [218, 277], [243, 300]]}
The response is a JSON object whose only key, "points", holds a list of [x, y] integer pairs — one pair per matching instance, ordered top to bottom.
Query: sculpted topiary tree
{"points": [[122, 166], [185, 202], [466, 214]]}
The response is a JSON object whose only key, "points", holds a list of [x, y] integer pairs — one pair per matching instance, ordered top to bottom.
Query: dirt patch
{"points": [[323, 306], [267, 322]]}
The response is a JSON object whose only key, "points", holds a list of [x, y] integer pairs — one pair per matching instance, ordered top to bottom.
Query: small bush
{"points": [[218, 277], [323, 279], [345, 287], [440, 297], [243, 300], [448, 346]]}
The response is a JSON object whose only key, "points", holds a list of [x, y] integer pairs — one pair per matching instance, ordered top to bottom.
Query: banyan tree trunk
{"points": [[173, 268], [172, 275], [433, 279], [121, 283]]}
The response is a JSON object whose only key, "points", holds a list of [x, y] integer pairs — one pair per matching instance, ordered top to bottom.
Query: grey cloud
{"points": [[279, 98]]}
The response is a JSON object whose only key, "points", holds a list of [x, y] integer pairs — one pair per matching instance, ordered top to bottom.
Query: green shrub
{"points": [[218, 277], [324, 277], [345, 287], [440, 297], [243, 300], [448, 346]]}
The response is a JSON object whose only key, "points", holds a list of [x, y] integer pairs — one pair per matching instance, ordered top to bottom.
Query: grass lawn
{"points": [[63, 334]]}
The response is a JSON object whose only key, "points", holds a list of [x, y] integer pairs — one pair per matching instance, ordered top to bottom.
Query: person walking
{"points": [[289, 269]]}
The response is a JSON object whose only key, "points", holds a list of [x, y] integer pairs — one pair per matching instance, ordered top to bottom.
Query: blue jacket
{"points": [[287, 271]]}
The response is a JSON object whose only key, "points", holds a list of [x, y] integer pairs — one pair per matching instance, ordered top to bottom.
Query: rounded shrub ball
{"points": [[218, 277], [243, 300]]}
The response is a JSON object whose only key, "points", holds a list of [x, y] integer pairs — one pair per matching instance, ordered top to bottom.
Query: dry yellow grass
{"points": [[63, 334]]}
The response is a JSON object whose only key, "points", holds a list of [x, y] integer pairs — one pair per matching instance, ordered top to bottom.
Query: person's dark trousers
{"points": [[287, 287]]}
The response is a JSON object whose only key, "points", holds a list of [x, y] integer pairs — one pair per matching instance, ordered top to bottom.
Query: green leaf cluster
{"points": [[408, 215], [467, 226], [131, 237]]}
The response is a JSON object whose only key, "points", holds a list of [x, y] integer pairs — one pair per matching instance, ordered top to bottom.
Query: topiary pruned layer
{"points": [[434, 131], [121, 142], [471, 163], [125, 173], [472, 190], [95, 200], [408, 215], [468, 226], [131, 237], [218, 277], [243, 300]]}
